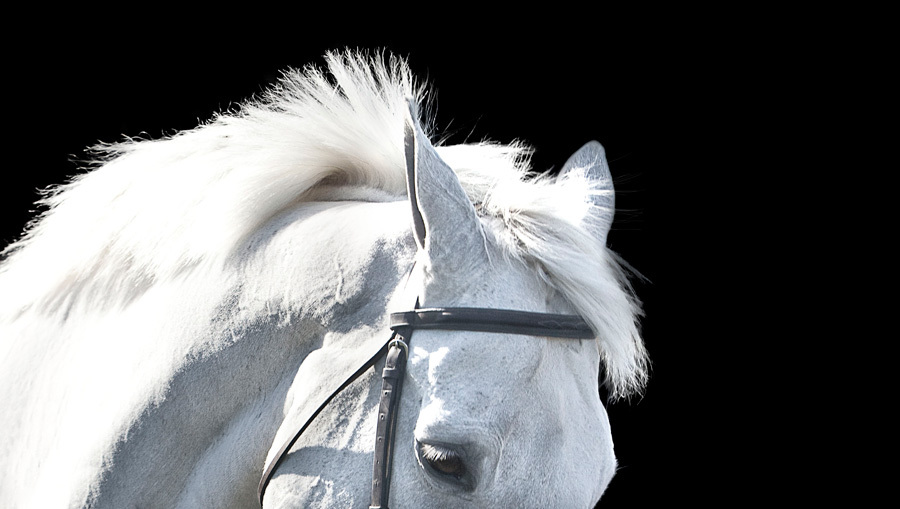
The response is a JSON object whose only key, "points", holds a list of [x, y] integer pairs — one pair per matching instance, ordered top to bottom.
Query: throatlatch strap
{"points": [[391, 385], [282, 453]]}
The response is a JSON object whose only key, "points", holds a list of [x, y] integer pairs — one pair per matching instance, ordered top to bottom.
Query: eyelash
{"points": [[433, 453]]}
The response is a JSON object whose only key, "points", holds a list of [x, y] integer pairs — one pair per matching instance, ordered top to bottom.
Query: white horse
{"points": [[168, 320]]}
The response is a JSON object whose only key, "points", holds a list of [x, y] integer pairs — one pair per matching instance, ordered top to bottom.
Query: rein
{"points": [[396, 352]]}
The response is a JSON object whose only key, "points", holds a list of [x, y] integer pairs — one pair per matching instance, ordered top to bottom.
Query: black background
{"points": [[674, 101]]}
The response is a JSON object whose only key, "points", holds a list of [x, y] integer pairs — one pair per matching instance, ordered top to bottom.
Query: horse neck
{"points": [[200, 368]]}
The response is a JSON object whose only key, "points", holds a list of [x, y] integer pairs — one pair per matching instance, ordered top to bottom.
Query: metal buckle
{"points": [[398, 342]]}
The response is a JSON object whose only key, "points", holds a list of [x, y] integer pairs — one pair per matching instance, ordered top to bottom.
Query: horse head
{"points": [[486, 419]]}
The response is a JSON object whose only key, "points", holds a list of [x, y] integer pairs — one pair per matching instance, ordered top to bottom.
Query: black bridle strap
{"points": [[494, 320], [391, 385]]}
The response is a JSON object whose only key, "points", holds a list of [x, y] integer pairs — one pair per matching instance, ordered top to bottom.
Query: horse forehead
{"points": [[449, 361], [490, 384], [465, 391]]}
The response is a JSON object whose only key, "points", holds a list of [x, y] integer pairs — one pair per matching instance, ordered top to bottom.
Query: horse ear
{"points": [[410, 146], [591, 160], [444, 218]]}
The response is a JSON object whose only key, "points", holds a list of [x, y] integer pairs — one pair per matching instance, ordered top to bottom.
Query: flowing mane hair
{"points": [[152, 210]]}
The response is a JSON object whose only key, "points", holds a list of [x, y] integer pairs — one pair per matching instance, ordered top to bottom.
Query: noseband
{"points": [[396, 351]]}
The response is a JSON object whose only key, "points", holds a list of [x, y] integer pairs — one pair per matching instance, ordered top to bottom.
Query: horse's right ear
{"points": [[591, 160]]}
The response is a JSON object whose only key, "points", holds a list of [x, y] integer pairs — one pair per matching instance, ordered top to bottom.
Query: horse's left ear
{"points": [[410, 146], [591, 159], [444, 219]]}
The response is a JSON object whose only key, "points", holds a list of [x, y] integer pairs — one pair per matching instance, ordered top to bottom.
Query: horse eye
{"points": [[444, 462], [451, 465]]}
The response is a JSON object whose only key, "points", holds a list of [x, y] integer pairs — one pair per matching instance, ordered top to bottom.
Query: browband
{"points": [[504, 321]]}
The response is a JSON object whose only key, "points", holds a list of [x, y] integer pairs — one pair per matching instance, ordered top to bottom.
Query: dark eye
{"points": [[443, 460], [445, 464]]}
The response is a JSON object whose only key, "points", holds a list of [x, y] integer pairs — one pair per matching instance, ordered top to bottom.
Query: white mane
{"points": [[152, 210]]}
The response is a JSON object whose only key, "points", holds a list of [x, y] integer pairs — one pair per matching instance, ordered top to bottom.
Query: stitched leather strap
{"points": [[392, 384]]}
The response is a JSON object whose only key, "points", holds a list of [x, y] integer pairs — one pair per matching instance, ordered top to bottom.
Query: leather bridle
{"points": [[396, 351]]}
